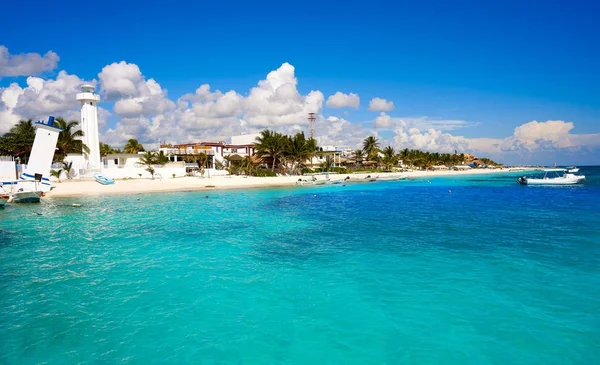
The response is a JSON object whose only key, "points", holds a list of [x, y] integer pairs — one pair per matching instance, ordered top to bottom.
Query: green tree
{"points": [[69, 139], [18, 141], [272, 145], [133, 146], [371, 147], [106, 149], [299, 149], [358, 155], [389, 158], [68, 169], [151, 170], [56, 173]]}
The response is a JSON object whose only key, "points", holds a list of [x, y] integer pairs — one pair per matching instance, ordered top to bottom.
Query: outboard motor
{"points": [[522, 180]]}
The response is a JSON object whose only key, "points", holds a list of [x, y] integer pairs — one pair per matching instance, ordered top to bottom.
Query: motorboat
{"points": [[572, 170], [553, 177], [368, 178], [391, 178], [24, 191], [4, 195]]}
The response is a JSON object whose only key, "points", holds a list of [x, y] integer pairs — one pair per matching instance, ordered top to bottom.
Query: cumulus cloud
{"points": [[26, 64], [134, 95], [40, 98], [341, 100], [381, 105], [143, 110], [215, 115], [552, 134]]}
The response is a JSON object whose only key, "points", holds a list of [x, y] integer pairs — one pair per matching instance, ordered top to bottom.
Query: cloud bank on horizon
{"points": [[140, 108]]}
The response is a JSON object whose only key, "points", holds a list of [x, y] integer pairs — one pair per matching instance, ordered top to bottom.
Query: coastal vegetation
{"points": [[69, 139], [19, 140], [133, 146], [106, 149], [275, 153], [290, 153], [151, 159]]}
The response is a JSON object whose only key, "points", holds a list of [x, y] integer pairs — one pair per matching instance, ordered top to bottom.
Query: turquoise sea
{"points": [[469, 270]]}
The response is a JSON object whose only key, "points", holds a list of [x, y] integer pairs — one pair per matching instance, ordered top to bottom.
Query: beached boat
{"points": [[552, 177], [103, 179]]}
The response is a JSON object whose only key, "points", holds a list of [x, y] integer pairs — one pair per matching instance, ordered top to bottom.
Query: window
{"points": [[116, 161]]}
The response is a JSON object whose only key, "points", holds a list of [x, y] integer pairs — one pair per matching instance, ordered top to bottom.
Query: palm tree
{"points": [[69, 139], [18, 141], [271, 144], [133, 146], [370, 147], [106, 149], [299, 149], [358, 155], [405, 156], [148, 158], [389, 158], [202, 159], [68, 168], [151, 170], [56, 173]]}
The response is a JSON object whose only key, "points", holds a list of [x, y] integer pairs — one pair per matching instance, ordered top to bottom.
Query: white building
{"points": [[89, 125], [242, 146], [130, 166], [8, 170]]}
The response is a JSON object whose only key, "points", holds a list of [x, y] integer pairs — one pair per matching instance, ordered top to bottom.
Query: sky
{"points": [[517, 81]]}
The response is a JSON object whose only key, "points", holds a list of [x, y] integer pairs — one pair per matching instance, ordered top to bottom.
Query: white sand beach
{"points": [[73, 188]]}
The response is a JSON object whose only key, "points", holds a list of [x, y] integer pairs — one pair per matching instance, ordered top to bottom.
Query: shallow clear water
{"points": [[382, 273]]}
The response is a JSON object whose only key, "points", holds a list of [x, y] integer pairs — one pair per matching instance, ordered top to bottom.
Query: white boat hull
{"points": [[391, 178], [553, 181], [27, 197]]}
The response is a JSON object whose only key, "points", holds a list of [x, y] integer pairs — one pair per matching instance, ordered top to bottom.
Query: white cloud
{"points": [[26, 64], [134, 94], [40, 98], [341, 100], [381, 105], [144, 111], [384, 121], [549, 135]]}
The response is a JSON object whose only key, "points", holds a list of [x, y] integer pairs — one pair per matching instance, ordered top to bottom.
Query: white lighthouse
{"points": [[89, 125]]}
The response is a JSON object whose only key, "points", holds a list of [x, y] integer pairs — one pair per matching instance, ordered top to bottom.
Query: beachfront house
{"points": [[240, 147], [325, 153], [121, 161]]}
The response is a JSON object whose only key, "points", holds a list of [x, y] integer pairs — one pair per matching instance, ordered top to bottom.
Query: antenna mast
{"points": [[311, 122]]}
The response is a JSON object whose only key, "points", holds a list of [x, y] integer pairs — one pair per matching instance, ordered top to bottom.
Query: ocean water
{"points": [[469, 270]]}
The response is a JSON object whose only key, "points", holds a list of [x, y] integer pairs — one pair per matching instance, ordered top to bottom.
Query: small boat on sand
{"points": [[553, 177], [103, 179]]}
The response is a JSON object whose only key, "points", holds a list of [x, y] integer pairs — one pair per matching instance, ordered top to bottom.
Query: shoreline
{"points": [[84, 188]]}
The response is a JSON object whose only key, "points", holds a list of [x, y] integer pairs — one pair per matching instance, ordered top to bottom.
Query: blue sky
{"points": [[494, 65]]}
